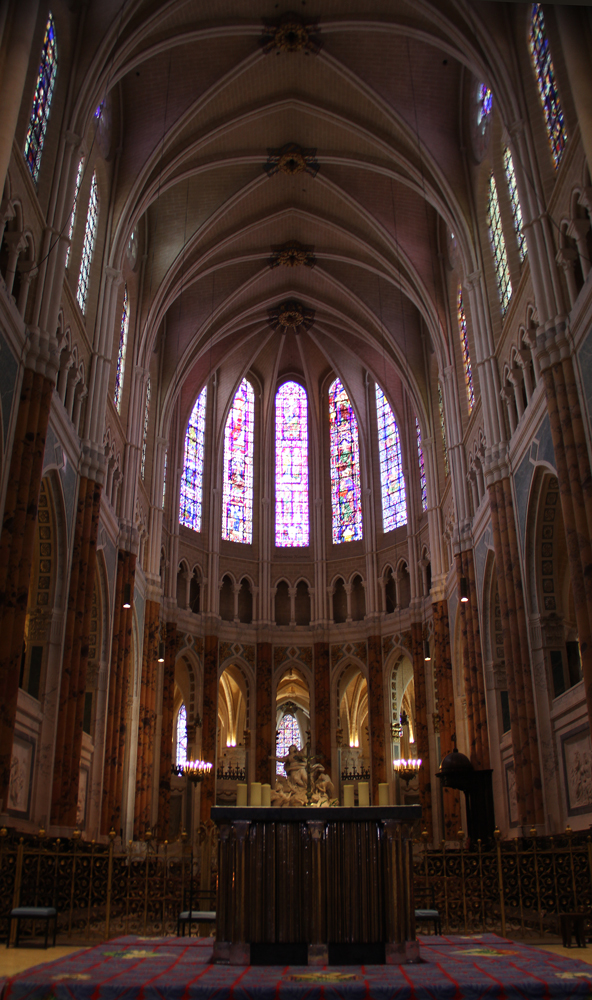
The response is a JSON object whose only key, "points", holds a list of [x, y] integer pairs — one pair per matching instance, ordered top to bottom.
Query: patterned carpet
{"points": [[453, 968]]}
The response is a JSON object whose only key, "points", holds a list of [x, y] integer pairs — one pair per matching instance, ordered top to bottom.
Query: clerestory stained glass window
{"points": [[48, 68], [545, 75], [484, 107], [515, 200], [73, 212], [90, 235], [498, 247], [464, 346], [120, 369], [443, 429], [145, 435], [291, 466], [422, 476], [164, 478], [392, 480], [346, 493], [237, 494], [191, 499], [288, 735], [181, 749]]}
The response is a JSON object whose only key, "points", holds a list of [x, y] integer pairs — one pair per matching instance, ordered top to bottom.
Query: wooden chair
{"points": [[426, 911], [190, 914]]}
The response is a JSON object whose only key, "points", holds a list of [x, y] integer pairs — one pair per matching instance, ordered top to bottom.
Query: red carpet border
{"points": [[453, 968]]}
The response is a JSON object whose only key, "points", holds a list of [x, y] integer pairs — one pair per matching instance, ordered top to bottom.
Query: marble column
{"points": [[16, 547], [75, 655], [473, 665], [445, 689], [322, 705], [265, 714], [376, 715], [147, 721], [210, 722], [421, 726], [166, 732]]}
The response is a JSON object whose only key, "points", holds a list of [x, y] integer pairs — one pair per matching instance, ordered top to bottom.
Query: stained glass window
{"points": [[48, 68], [545, 75], [484, 107], [515, 200], [73, 212], [90, 234], [498, 247], [123, 331], [464, 345], [443, 429], [145, 435], [193, 462], [291, 466], [422, 476], [164, 478], [392, 480], [346, 493], [237, 495], [288, 736], [181, 754]]}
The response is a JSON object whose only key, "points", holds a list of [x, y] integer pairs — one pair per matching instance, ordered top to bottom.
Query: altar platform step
{"points": [[452, 968]]}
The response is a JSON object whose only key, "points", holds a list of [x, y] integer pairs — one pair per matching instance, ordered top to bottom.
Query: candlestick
{"points": [[241, 793], [255, 793], [363, 793], [383, 794], [265, 795], [348, 795]]}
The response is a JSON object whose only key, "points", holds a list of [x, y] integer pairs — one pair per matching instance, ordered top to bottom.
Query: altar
{"points": [[301, 886]]}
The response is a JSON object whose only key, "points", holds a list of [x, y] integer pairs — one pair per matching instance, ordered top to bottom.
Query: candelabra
{"points": [[407, 769], [196, 770]]}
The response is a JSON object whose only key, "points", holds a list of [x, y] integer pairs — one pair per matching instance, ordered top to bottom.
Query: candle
{"points": [[255, 793], [363, 793], [241, 794], [383, 794], [265, 795], [348, 795]]}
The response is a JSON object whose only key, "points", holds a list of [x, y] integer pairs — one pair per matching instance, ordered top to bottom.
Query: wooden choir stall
{"points": [[301, 886]]}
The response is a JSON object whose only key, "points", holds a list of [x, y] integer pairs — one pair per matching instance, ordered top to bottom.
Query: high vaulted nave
{"points": [[295, 357]]}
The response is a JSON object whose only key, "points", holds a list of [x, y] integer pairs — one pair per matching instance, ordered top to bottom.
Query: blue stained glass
{"points": [[48, 68], [545, 75], [484, 107], [515, 200], [73, 212], [90, 234], [498, 247], [123, 331], [464, 346], [443, 429], [145, 435], [291, 466], [422, 476], [164, 478], [392, 480], [346, 493], [237, 495], [190, 506], [288, 736], [181, 750]]}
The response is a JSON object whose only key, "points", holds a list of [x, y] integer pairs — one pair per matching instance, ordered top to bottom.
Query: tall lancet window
{"points": [[48, 68], [545, 75], [515, 200], [73, 212], [498, 247], [88, 248], [464, 346], [120, 369], [443, 429], [145, 435], [291, 466], [422, 476], [392, 480], [346, 493], [237, 494], [190, 507], [288, 735], [181, 748]]}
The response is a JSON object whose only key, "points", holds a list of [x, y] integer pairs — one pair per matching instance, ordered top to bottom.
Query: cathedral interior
{"points": [[296, 390]]}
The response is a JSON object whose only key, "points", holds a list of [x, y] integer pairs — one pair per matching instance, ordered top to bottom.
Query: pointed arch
{"points": [[48, 68], [291, 466], [392, 479], [346, 493], [237, 496], [191, 497]]}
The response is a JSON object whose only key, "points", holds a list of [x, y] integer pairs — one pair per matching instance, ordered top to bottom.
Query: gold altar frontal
{"points": [[315, 886]]}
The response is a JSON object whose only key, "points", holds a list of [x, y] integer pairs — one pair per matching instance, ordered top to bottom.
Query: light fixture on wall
{"points": [[127, 596], [426, 650], [161, 652]]}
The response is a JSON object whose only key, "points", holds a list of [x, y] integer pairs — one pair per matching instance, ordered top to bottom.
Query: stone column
{"points": [[575, 40], [75, 655], [473, 665], [445, 686], [322, 704], [265, 714], [376, 715], [147, 721], [210, 722], [421, 725], [166, 732]]}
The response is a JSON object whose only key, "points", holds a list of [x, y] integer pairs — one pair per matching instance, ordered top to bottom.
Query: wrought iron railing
{"points": [[231, 773]]}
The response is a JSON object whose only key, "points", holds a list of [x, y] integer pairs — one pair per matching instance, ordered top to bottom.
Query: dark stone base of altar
{"points": [[301, 953]]}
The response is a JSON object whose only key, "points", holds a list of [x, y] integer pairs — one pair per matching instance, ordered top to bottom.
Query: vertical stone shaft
{"points": [[16, 549], [125, 653], [473, 665], [443, 673], [479, 676], [322, 702], [376, 715], [265, 716], [210, 720], [146, 722], [421, 725], [166, 735], [108, 772]]}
